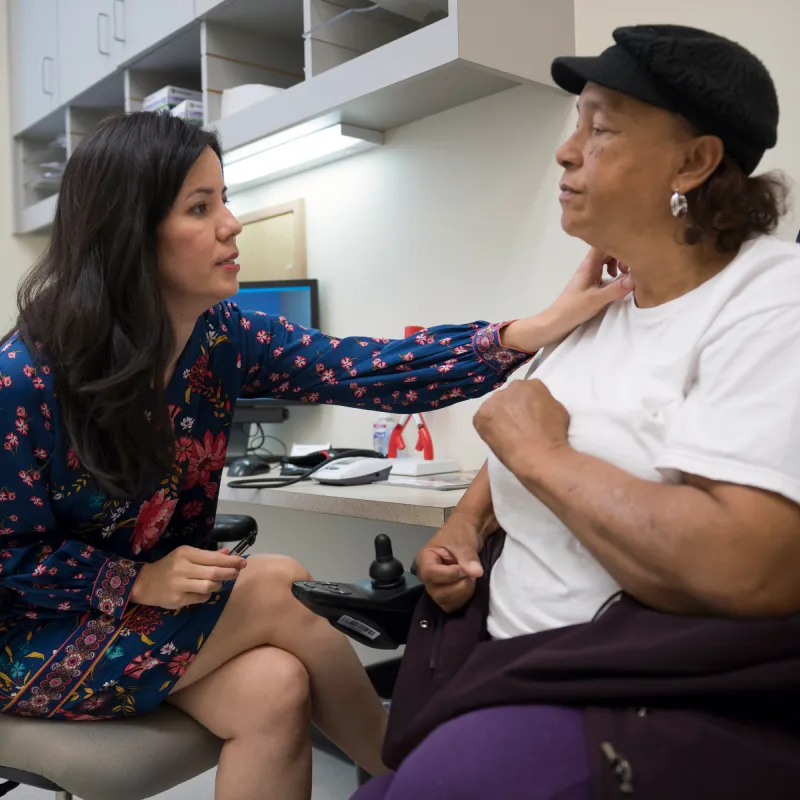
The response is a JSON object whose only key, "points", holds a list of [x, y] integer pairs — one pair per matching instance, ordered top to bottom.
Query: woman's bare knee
{"points": [[279, 570], [266, 583], [257, 613], [273, 689], [265, 690]]}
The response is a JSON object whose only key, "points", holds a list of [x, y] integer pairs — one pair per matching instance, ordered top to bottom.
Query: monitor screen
{"points": [[295, 300]]}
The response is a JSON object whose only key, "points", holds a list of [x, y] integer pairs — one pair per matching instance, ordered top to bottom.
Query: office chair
{"points": [[126, 759]]}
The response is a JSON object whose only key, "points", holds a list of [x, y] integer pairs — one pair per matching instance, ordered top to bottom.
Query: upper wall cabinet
{"points": [[204, 6], [137, 25], [33, 43], [86, 44], [355, 63]]}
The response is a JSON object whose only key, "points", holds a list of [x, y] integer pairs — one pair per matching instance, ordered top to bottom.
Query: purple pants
{"points": [[509, 752]]}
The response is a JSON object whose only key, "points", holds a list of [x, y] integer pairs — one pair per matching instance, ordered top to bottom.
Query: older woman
{"points": [[657, 449]]}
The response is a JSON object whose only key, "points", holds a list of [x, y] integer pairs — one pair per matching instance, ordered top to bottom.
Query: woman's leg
{"points": [[262, 611], [259, 703], [513, 752]]}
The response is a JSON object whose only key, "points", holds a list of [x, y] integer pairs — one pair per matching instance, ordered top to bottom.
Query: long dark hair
{"points": [[91, 307]]}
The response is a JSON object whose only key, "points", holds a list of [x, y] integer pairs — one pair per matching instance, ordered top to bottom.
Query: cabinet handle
{"points": [[117, 36], [99, 37], [45, 82]]}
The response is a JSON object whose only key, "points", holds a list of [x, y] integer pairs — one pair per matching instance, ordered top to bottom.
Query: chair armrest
{"points": [[232, 528]]}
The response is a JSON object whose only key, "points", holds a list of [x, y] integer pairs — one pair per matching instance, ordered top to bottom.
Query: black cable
{"points": [[262, 440], [254, 448], [278, 483]]}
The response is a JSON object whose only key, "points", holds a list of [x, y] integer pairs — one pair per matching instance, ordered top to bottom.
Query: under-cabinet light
{"points": [[278, 156]]}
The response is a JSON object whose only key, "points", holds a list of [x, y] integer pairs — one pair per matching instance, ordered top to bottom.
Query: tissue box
{"points": [[168, 97], [190, 110]]}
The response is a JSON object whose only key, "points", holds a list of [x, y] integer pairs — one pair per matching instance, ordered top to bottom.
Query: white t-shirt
{"points": [[707, 384]]}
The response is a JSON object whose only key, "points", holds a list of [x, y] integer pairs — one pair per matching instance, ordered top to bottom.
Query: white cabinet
{"points": [[139, 24], [33, 42], [85, 44]]}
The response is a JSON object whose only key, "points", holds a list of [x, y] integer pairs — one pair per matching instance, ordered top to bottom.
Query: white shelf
{"points": [[477, 51]]}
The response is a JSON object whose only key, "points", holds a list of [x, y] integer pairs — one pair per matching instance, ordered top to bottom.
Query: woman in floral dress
{"points": [[117, 392]]}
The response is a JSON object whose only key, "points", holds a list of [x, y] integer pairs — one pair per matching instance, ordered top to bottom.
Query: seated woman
{"points": [[116, 395], [657, 449]]}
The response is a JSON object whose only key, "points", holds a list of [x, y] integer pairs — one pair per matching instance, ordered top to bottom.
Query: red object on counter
{"points": [[424, 439]]}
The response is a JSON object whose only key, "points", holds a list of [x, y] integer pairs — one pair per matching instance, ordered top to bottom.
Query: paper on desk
{"points": [[441, 483]]}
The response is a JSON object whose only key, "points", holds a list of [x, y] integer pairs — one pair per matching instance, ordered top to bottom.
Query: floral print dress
{"points": [[72, 645]]}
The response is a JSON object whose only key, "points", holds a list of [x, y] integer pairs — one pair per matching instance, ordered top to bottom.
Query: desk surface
{"points": [[380, 502]]}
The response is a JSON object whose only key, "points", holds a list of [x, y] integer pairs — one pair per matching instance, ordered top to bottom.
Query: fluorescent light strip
{"points": [[278, 156]]}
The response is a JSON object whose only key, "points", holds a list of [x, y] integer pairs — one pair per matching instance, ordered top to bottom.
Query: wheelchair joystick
{"points": [[385, 571], [376, 611]]}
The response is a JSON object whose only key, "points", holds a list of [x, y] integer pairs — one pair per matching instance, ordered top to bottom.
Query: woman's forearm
{"points": [[532, 333], [476, 506], [673, 547]]}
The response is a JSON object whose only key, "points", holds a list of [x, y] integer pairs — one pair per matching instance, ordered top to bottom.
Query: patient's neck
{"points": [[664, 269]]}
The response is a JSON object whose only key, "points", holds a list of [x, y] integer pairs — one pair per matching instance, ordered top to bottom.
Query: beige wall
{"points": [[456, 217], [18, 253]]}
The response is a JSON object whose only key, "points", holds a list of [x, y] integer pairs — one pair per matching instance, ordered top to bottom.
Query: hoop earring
{"points": [[678, 205]]}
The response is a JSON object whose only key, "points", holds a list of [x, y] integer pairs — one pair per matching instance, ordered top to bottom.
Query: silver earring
{"points": [[679, 205]]}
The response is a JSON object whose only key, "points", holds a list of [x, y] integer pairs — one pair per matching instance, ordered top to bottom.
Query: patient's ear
{"points": [[702, 156]]}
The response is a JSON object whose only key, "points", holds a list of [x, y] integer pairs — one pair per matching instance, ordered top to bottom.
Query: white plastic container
{"points": [[167, 97], [239, 97], [191, 110], [381, 429]]}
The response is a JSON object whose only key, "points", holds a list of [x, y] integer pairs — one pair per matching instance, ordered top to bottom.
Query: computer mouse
{"points": [[247, 466]]}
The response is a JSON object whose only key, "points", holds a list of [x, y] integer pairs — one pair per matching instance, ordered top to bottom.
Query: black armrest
{"points": [[232, 528], [379, 618]]}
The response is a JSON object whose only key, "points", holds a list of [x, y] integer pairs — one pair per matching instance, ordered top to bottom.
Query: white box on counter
{"points": [[167, 97], [191, 110]]}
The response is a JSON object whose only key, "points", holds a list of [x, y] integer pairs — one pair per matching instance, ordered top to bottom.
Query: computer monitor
{"points": [[298, 301]]}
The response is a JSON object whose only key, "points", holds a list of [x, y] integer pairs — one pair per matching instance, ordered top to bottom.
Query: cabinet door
{"points": [[204, 6], [140, 24], [33, 44], [85, 44]]}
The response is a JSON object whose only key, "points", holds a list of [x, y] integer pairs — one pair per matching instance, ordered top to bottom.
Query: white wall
{"points": [[456, 217], [18, 253]]}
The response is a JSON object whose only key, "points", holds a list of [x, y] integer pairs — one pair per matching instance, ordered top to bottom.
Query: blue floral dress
{"points": [[73, 646]]}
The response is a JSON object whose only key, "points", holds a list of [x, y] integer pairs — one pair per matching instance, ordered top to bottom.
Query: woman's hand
{"points": [[584, 297], [523, 422], [449, 565], [185, 577]]}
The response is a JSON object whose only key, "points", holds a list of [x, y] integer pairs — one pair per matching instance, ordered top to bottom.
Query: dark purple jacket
{"points": [[675, 707]]}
